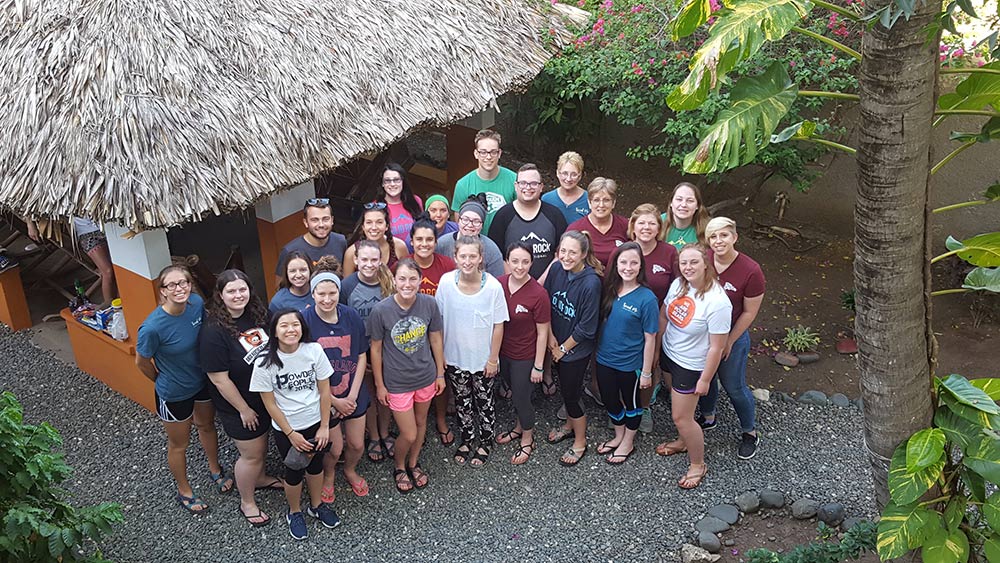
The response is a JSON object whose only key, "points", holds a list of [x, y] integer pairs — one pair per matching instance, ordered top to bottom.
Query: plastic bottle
{"points": [[116, 326]]}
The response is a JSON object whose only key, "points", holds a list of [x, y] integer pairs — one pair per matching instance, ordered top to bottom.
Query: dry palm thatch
{"points": [[154, 112]]}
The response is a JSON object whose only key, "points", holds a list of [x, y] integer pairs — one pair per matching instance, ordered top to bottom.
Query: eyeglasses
{"points": [[485, 153], [569, 175], [389, 181], [523, 184], [318, 202], [374, 205], [474, 221], [173, 286]]}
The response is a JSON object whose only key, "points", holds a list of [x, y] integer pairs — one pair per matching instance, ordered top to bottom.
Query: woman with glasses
{"points": [[569, 197], [404, 207], [471, 219], [374, 226], [607, 230], [169, 337]]}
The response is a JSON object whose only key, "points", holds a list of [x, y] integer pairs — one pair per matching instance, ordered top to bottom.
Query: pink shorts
{"points": [[401, 402]]}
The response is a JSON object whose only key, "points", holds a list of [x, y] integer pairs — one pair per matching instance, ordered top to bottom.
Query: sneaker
{"points": [[6, 263], [656, 393], [591, 394], [561, 415], [646, 424], [706, 425], [748, 446], [326, 515], [297, 525]]}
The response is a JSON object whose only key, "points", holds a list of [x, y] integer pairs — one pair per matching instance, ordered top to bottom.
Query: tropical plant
{"points": [[847, 300], [800, 339], [957, 462], [39, 524], [859, 539]]}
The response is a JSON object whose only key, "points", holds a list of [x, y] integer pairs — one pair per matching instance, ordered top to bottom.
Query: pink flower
{"points": [[581, 3], [607, 4], [714, 5], [638, 8], [621, 36], [944, 48], [958, 52], [943, 57], [791, 64], [638, 71]]}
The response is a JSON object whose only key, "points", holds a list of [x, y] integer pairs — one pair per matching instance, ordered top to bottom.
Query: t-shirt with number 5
{"points": [[690, 321], [294, 383]]}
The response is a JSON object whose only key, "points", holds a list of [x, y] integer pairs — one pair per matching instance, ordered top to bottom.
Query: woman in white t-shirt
{"points": [[474, 310], [694, 320], [293, 379]]}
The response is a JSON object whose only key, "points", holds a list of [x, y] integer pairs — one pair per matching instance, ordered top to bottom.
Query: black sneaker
{"points": [[706, 425], [748, 446]]}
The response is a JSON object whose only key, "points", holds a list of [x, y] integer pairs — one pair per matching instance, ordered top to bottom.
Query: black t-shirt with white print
{"points": [[220, 351]]}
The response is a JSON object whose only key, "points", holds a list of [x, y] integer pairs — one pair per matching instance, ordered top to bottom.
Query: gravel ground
{"points": [[536, 512]]}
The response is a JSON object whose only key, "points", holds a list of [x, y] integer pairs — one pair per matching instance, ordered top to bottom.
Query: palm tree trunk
{"points": [[891, 268]]}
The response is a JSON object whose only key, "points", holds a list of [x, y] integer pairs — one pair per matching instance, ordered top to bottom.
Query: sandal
{"points": [[548, 388], [504, 391], [559, 434], [508, 437], [445, 440], [389, 445], [606, 447], [670, 448], [375, 452], [462, 454], [523, 454], [572, 456], [479, 458], [618, 459], [416, 473], [402, 478], [691, 480], [225, 484], [276, 485], [360, 488], [329, 495], [189, 503], [250, 518]]}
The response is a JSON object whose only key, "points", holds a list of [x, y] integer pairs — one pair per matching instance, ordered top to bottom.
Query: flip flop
{"points": [[548, 388], [560, 434], [443, 436], [508, 437], [606, 447], [666, 449], [374, 451], [574, 454], [618, 459], [692, 480], [225, 484], [276, 485], [360, 488], [329, 495], [189, 503], [266, 519]]}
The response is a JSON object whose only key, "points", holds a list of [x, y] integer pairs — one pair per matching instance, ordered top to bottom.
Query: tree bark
{"points": [[891, 267]]}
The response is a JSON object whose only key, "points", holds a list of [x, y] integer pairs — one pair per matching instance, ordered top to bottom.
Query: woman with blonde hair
{"points": [[569, 198], [607, 230]]}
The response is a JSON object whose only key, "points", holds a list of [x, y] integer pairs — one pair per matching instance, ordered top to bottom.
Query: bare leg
{"points": [[102, 259], [420, 419], [204, 422], [407, 423], [354, 431], [691, 434], [178, 438], [331, 457], [248, 470]]}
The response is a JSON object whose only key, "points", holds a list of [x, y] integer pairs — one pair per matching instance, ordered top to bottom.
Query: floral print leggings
{"points": [[474, 405]]}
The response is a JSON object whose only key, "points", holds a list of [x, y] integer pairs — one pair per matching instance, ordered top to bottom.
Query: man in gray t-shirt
{"points": [[319, 240], [407, 361]]}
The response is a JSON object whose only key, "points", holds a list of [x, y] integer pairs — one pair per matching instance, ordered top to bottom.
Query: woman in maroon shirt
{"points": [[607, 230], [522, 352]]}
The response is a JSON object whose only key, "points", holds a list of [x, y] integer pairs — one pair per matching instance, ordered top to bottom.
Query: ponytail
{"points": [[586, 248]]}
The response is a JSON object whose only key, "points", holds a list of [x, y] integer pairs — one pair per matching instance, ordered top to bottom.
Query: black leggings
{"points": [[517, 373], [571, 376], [620, 393], [294, 476]]}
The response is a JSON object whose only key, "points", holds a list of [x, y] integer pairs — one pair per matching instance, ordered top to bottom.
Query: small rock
{"points": [[847, 346], [807, 357], [787, 359], [762, 395], [782, 396], [814, 398], [840, 400], [859, 402], [772, 499], [748, 502], [804, 509], [725, 512], [831, 513], [849, 523], [712, 525], [771, 538], [709, 542], [729, 543], [694, 554]]}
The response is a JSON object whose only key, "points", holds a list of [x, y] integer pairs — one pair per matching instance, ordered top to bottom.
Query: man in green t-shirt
{"points": [[489, 178]]}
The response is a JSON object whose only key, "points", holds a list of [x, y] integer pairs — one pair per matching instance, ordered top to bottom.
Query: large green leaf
{"points": [[692, 15], [739, 32], [977, 91], [757, 104], [989, 131], [980, 250], [983, 279], [989, 385], [968, 394], [975, 416], [959, 431], [924, 449], [985, 459], [975, 484], [907, 486], [991, 511], [955, 512], [902, 528], [946, 547], [991, 548]]}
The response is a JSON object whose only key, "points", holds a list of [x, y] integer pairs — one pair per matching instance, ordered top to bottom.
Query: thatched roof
{"points": [[153, 112]]}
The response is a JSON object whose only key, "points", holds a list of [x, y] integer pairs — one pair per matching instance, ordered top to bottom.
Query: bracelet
{"points": [[492, 363], [536, 368], [646, 374], [440, 377], [290, 432]]}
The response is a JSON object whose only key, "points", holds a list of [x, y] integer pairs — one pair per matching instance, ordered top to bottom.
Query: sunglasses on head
{"points": [[318, 202], [374, 205]]}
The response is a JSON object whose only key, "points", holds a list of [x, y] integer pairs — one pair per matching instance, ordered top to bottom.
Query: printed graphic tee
{"points": [[690, 321], [343, 343], [222, 352], [407, 360], [294, 385]]}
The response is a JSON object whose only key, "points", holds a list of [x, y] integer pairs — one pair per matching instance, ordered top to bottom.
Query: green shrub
{"points": [[800, 339], [856, 541]]}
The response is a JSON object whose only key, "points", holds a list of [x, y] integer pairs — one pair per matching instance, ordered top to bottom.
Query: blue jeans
{"points": [[733, 374]]}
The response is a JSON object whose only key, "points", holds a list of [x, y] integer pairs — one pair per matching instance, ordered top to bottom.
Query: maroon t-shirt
{"points": [[604, 243], [661, 269], [432, 275], [743, 278], [526, 308]]}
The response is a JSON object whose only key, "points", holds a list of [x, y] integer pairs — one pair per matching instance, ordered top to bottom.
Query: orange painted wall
{"points": [[273, 236], [139, 298], [13, 305]]}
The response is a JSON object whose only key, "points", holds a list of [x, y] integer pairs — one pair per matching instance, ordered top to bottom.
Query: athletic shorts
{"points": [[682, 380], [401, 402], [180, 411], [233, 425]]}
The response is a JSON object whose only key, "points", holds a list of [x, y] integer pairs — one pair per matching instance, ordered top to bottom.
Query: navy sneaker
{"points": [[6, 262], [706, 425], [748, 446], [325, 515], [297, 525]]}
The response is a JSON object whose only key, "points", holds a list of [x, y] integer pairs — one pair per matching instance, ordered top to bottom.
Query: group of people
{"points": [[490, 295]]}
